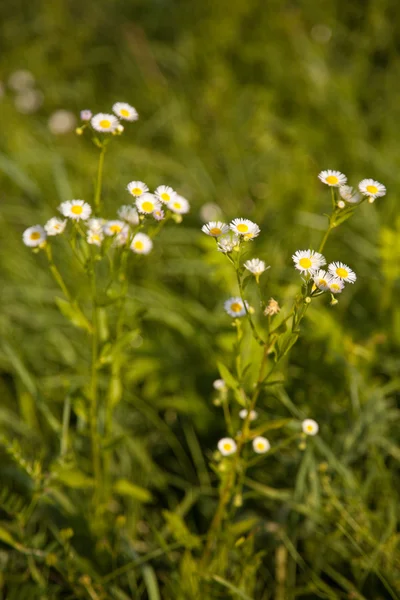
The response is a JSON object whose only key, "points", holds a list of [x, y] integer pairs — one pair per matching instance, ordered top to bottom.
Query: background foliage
{"points": [[241, 104]]}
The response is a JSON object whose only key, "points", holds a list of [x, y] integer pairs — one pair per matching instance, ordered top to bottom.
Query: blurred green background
{"points": [[241, 105]]}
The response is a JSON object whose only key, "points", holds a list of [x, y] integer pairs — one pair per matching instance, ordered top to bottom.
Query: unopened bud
{"points": [[79, 131], [341, 204], [307, 300]]}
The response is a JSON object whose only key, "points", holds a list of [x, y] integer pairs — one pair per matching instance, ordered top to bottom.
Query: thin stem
{"points": [[97, 194], [325, 238], [258, 339], [94, 382], [65, 425]]}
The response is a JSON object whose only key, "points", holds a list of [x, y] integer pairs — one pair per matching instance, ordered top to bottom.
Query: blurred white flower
{"points": [[20, 80], [28, 101], [125, 111], [86, 115], [61, 121], [104, 122], [332, 178], [137, 188], [371, 188], [165, 193], [349, 194], [147, 203], [179, 205], [75, 209], [210, 212], [129, 214], [159, 214], [96, 224], [55, 226], [113, 227], [245, 227], [215, 228], [34, 236], [94, 236], [227, 243], [141, 244], [307, 261], [255, 266], [338, 269], [322, 279], [335, 285], [235, 307], [219, 384], [243, 414], [310, 427], [261, 445], [227, 446]]}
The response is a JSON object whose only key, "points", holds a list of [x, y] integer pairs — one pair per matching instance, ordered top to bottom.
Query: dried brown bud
{"points": [[273, 308]]}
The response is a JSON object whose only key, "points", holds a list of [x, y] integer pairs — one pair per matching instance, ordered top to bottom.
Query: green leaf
{"points": [[73, 314], [285, 343], [227, 376], [275, 424], [74, 478], [123, 487], [181, 533], [7, 538], [150, 581], [231, 587]]}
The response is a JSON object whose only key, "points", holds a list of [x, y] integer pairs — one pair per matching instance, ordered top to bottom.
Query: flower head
{"points": [[125, 111], [86, 115], [104, 123], [332, 178], [137, 188], [371, 188], [165, 193], [349, 194], [147, 203], [179, 205], [75, 209], [129, 214], [159, 214], [95, 224], [55, 226], [113, 227], [215, 228], [246, 228], [34, 236], [94, 237], [227, 243], [141, 244], [307, 261], [255, 266], [338, 269], [321, 279], [335, 285], [235, 307], [272, 308], [219, 384], [244, 412], [310, 427], [261, 445], [227, 446]]}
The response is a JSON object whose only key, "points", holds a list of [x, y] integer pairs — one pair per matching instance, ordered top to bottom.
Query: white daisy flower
{"points": [[125, 111], [86, 115], [104, 123], [332, 178], [137, 188], [371, 188], [165, 193], [349, 194], [147, 203], [179, 205], [75, 209], [129, 214], [159, 214], [95, 224], [55, 226], [113, 227], [245, 227], [215, 228], [34, 236], [94, 236], [122, 237], [227, 243], [141, 244], [307, 261], [255, 266], [338, 269], [322, 279], [335, 285], [235, 307], [219, 384], [253, 414], [310, 427], [261, 445], [227, 446]]}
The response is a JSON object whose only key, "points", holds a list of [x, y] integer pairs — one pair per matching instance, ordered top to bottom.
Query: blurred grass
{"points": [[241, 104]]}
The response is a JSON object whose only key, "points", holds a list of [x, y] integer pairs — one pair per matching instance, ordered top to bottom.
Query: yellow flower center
{"points": [[124, 113], [105, 124], [332, 179], [372, 189], [137, 191], [165, 197], [177, 205], [148, 206], [76, 209], [115, 228], [242, 228], [215, 231], [35, 235], [96, 238], [139, 245], [305, 263], [342, 272], [322, 282], [335, 287], [236, 307], [310, 428], [260, 446], [227, 447]]}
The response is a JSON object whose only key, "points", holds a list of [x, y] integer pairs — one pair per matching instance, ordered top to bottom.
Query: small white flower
{"points": [[125, 111], [86, 115], [104, 123], [332, 178], [137, 188], [371, 188], [165, 193], [349, 194], [147, 203], [341, 204], [179, 205], [75, 209], [129, 214], [159, 214], [95, 224], [55, 226], [113, 227], [245, 227], [215, 228], [34, 236], [94, 236], [121, 238], [227, 243], [141, 244], [307, 261], [255, 266], [338, 269], [322, 279], [335, 285], [235, 307], [219, 384], [253, 414], [310, 427], [261, 445], [227, 446]]}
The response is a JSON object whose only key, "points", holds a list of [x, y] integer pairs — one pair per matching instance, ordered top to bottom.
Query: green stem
{"points": [[97, 194], [325, 238], [256, 336], [94, 384]]}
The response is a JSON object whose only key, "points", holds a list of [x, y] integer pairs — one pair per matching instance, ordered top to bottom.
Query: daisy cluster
{"points": [[108, 122], [367, 188], [124, 231], [332, 280]]}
